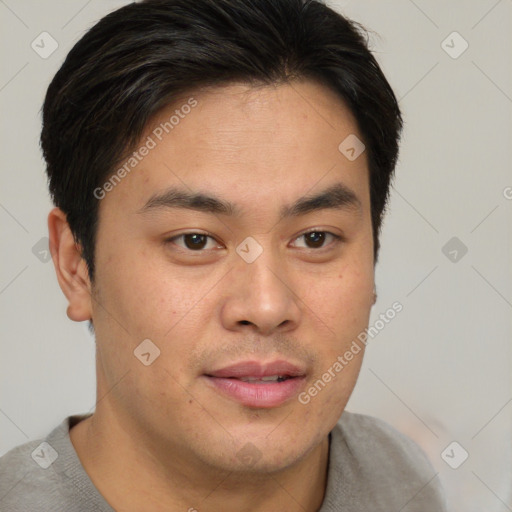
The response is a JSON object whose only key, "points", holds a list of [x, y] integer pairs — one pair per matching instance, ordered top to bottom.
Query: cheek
{"points": [[138, 292], [342, 300], [341, 307], [328, 398]]}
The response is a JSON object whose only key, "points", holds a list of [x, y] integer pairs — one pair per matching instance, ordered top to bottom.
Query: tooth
{"points": [[270, 378]]}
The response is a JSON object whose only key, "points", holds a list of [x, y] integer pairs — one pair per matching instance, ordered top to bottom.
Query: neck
{"points": [[132, 473]]}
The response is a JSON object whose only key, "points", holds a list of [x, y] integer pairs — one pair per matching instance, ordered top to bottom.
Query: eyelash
{"points": [[337, 239]]}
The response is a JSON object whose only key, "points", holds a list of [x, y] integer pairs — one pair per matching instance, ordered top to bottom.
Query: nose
{"points": [[261, 296]]}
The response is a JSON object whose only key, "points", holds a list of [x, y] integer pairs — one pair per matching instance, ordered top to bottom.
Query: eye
{"points": [[316, 238], [193, 241], [198, 242]]}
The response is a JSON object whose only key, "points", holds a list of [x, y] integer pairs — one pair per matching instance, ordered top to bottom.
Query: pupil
{"points": [[196, 238], [317, 238]]}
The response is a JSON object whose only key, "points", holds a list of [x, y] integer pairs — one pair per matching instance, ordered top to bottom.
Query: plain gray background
{"points": [[441, 370]]}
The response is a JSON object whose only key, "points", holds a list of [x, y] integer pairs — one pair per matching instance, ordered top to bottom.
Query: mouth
{"points": [[270, 378], [258, 385]]}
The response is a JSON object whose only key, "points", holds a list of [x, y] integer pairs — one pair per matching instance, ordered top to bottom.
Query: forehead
{"points": [[244, 119], [258, 144]]}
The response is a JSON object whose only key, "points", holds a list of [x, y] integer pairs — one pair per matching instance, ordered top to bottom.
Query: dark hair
{"points": [[137, 59]]}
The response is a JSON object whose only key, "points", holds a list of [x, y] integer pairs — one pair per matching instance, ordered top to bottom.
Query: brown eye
{"points": [[316, 239], [192, 241], [195, 241]]}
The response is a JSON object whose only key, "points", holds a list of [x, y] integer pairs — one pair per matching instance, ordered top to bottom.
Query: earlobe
{"points": [[70, 267]]}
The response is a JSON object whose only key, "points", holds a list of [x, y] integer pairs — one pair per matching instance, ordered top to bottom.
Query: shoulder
{"points": [[380, 467], [45, 475], [25, 476]]}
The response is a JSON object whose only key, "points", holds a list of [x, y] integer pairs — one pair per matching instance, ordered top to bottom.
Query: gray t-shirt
{"points": [[372, 467]]}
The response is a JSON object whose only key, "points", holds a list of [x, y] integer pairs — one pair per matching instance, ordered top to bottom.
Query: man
{"points": [[220, 169]]}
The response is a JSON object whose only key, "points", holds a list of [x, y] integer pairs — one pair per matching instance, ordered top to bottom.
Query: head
{"points": [[190, 148]]}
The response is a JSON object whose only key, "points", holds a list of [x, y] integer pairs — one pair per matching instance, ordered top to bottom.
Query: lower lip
{"points": [[258, 394]]}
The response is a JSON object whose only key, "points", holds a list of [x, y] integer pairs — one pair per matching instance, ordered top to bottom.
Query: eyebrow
{"points": [[337, 196]]}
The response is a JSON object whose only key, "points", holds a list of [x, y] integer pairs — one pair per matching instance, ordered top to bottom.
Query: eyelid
{"points": [[193, 232], [337, 239]]}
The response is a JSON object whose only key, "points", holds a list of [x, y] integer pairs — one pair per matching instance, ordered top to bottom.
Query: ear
{"points": [[70, 267]]}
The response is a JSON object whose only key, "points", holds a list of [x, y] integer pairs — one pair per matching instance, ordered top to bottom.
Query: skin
{"points": [[160, 437]]}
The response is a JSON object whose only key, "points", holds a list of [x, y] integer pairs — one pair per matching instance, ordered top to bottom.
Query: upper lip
{"points": [[258, 369]]}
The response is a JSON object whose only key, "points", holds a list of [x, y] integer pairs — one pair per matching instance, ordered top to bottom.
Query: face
{"points": [[255, 282]]}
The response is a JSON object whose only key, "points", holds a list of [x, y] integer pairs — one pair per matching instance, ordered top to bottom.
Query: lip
{"points": [[258, 370], [257, 394]]}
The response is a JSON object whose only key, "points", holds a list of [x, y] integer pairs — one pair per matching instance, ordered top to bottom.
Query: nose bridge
{"points": [[262, 270], [263, 275], [261, 293]]}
